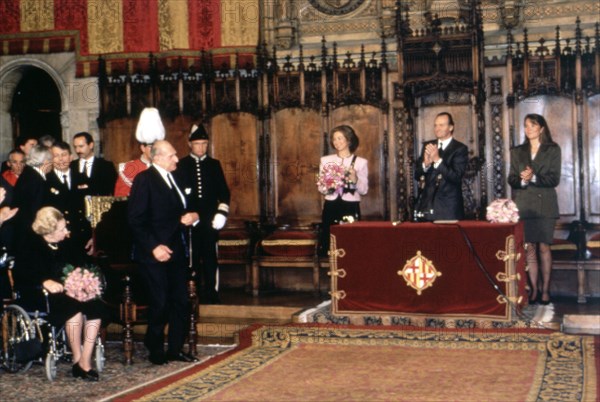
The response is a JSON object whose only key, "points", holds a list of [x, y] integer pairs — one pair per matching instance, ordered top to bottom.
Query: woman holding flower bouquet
{"points": [[535, 168], [343, 178], [73, 292]]}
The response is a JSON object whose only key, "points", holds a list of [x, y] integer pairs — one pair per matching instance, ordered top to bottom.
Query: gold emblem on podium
{"points": [[419, 273]]}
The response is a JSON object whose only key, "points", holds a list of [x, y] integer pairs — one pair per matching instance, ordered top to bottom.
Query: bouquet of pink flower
{"points": [[332, 179], [502, 210], [82, 283]]}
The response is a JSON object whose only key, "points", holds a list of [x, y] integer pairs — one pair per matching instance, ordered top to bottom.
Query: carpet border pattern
{"points": [[569, 371]]}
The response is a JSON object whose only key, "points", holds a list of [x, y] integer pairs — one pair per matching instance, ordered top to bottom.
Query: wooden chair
{"points": [[236, 243], [286, 248], [580, 255], [124, 291]]}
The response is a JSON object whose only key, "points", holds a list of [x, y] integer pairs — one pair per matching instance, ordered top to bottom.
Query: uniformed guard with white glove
{"points": [[205, 181]]}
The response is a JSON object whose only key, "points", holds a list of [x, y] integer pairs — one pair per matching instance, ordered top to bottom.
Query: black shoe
{"points": [[544, 302], [181, 357], [157, 358], [78, 372]]}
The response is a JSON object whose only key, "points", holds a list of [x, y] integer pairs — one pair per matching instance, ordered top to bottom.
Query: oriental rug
{"points": [[532, 316], [334, 363]]}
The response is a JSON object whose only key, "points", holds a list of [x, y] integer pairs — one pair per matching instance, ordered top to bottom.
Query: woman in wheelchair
{"points": [[39, 264]]}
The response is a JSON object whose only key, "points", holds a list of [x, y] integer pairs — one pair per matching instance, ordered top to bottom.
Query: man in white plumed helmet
{"points": [[149, 129], [204, 180]]}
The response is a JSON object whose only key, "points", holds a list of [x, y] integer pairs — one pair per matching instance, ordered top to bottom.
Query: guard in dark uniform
{"points": [[203, 177], [62, 195]]}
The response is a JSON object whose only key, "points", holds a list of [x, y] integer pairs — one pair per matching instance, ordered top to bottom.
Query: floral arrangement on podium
{"points": [[332, 179], [502, 210], [82, 283]]}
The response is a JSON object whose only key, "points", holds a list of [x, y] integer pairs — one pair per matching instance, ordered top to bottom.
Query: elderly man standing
{"points": [[157, 217]]}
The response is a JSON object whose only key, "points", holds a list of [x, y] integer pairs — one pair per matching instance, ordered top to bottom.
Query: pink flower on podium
{"points": [[502, 210], [82, 283]]}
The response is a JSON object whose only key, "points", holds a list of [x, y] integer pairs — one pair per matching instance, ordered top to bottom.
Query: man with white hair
{"points": [[149, 129], [31, 190], [158, 215]]}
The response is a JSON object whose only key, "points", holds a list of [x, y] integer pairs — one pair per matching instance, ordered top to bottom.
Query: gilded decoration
{"points": [[37, 15], [105, 26], [95, 206], [419, 273]]}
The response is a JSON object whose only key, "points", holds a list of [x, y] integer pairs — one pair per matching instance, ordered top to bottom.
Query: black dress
{"points": [[42, 261]]}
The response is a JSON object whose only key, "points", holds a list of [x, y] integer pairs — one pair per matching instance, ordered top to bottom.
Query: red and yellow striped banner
{"points": [[128, 29]]}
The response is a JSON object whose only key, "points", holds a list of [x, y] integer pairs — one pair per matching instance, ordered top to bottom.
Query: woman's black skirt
{"points": [[333, 213]]}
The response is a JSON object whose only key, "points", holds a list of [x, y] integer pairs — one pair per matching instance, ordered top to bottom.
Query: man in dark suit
{"points": [[439, 173], [94, 175], [204, 179], [30, 193], [63, 196], [157, 217]]}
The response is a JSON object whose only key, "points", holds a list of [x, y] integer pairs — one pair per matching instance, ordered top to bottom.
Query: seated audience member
{"points": [[41, 267]]}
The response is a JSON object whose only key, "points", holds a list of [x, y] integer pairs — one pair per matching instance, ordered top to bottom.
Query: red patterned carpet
{"points": [[327, 363]]}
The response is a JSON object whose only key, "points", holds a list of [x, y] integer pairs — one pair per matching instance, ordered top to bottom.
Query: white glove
{"points": [[219, 221]]}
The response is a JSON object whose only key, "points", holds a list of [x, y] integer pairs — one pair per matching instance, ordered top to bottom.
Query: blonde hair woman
{"points": [[42, 267]]}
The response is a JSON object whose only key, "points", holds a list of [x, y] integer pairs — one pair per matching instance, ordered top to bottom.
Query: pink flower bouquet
{"points": [[332, 179], [502, 210], [82, 283]]}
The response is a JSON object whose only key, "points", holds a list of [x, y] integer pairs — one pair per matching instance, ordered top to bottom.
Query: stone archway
{"points": [[11, 75]]}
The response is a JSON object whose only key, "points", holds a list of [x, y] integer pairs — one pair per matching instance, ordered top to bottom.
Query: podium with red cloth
{"points": [[465, 269]]}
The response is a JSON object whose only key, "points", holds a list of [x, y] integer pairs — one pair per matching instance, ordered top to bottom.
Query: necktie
{"points": [[440, 146], [88, 168], [65, 181], [174, 189]]}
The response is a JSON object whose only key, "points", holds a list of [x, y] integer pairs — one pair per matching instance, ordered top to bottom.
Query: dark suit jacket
{"points": [[102, 181], [214, 186], [443, 186], [29, 196], [536, 200], [71, 203], [154, 215]]}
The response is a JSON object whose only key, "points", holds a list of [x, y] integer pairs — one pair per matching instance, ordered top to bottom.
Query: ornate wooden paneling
{"points": [[234, 141], [295, 162], [592, 162]]}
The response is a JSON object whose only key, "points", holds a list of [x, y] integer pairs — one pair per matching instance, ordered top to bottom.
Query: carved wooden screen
{"points": [[559, 114], [367, 123], [119, 143], [234, 143], [296, 148], [592, 164]]}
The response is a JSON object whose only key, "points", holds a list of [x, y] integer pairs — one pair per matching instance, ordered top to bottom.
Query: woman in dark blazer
{"points": [[535, 168], [40, 266]]}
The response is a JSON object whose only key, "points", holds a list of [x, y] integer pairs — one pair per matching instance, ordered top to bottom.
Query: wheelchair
{"points": [[27, 338]]}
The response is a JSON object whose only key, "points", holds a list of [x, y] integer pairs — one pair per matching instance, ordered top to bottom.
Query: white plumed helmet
{"points": [[150, 127]]}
